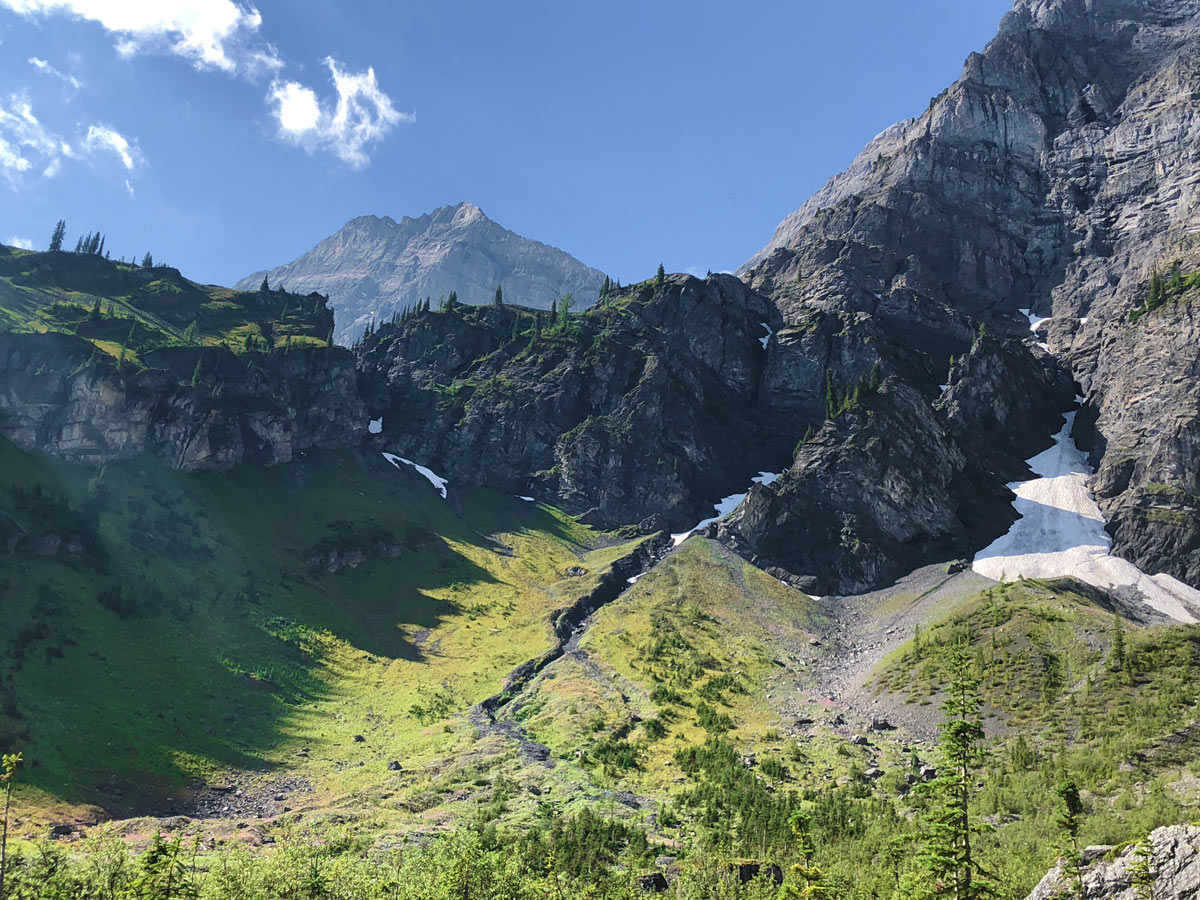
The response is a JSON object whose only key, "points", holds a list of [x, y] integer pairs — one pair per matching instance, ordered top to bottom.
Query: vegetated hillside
{"points": [[375, 267], [126, 310], [101, 361], [291, 630]]}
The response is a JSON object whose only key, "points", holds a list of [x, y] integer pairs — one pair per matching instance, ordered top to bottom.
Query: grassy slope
{"points": [[43, 292], [217, 647]]}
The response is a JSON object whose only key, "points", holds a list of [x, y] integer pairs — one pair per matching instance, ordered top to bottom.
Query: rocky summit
{"points": [[374, 267]]}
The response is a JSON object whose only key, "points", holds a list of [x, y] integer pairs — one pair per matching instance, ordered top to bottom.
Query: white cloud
{"points": [[213, 34], [47, 69], [361, 116], [101, 138], [27, 146], [23, 243]]}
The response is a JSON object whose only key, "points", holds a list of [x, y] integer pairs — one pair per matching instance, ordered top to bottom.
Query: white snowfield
{"points": [[375, 426], [436, 480], [725, 507], [1061, 533]]}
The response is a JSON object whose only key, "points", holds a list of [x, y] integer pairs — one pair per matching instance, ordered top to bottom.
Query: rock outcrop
{"points": [[1055, 175], [374, 267], [645, 405], [196, 408], [897, 481], [1165, 866]]}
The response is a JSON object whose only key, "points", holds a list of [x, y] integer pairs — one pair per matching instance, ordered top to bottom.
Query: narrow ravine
{"points": [[568, 625]]}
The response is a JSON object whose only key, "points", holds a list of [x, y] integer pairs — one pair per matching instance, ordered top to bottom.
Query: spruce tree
{"points": [[56, 239], [147, 261], [661, 277], [265, 287], [498, 298], [565, 304], [1116, 658], [1069, 821], [945, 851]]}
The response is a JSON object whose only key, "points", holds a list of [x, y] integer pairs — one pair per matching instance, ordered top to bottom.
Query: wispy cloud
{"points": [[213, 34], [226, 35], [47, 69], [361, 115], [29, 150], [22, 242]]}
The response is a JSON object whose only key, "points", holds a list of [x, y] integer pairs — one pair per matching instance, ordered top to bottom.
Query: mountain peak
{"points": [[375, 266]]}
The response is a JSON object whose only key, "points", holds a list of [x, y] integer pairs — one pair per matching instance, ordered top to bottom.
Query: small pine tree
{"points": [[60, 232], [147, 261], [661, 277], [1175, 285], [265, 287], [605, 287], [498, 297], [452, 300], [565, 304], [553, 310], [96, 314], [876, 380], [1116, 658], [10, 763], [1069, 822], [946, 849]]}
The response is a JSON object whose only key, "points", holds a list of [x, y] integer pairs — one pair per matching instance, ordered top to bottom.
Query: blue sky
{"points": [[627, 133]]}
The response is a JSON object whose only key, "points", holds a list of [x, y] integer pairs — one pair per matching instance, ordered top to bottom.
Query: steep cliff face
{"points": [[1054, 175], [375, 266], [646, 404], [196, 408], [901, 479]]}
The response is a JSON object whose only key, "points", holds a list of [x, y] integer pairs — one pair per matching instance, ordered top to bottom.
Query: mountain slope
{"points": [[1055, 176], [374, 267]]}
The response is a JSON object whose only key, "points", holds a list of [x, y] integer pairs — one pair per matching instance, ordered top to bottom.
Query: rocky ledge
{"points": [[1165, 866]]}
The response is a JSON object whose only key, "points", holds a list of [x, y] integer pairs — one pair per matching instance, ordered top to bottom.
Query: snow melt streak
{"points": [[436, 480], [1061, 533]]}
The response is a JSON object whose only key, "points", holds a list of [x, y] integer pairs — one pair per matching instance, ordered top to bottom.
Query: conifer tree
{"points": [[60, 232], [147, 261], [661, 277], [265, 287], [498, 298], [565, 304], [1116, 658], [10, 763], [1070, 820], [945, 849]]}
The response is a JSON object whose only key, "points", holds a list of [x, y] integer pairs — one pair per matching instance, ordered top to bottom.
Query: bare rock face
{"points": [[1055, 175], [375, 266], [647, 406], [196, 408], [897, 481], [1165, 866]]}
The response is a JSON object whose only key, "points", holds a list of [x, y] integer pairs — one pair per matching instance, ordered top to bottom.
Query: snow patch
{"points": [[1034, 321], [770, 334], [376, 426], [436, 480], [526, 499], [725, 507], [1061, 533], [635, 578]]}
